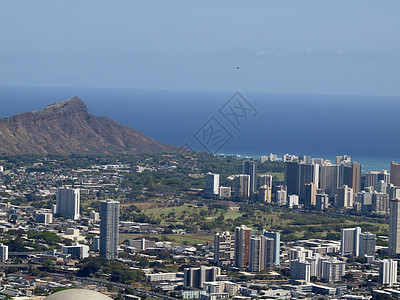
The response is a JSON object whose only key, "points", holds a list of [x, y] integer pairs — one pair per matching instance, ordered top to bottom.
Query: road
{"points": [[24, 253], [19, 266]]}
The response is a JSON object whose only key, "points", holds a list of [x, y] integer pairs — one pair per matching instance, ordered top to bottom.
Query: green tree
{"points": [[48, 266]]}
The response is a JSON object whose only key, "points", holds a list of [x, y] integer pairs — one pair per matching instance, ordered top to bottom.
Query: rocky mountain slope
{"points": [[68, 127]]}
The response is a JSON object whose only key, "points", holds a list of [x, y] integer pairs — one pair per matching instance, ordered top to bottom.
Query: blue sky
{"points": [[308, 46]]}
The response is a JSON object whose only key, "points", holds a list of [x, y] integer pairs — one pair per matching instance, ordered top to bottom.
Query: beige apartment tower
{"points": [[265, 194], [224, 248]]}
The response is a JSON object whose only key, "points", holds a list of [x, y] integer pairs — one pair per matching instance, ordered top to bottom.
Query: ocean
{"points": [[248, 123]]}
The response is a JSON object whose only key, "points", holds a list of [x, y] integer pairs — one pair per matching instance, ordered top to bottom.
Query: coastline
{"points": [[367, 163]]}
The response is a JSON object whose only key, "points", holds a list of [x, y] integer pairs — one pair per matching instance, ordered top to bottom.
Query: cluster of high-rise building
{"points": [[270, 157], [316, 179], [318, 182], [314, 183], [246, 184], [214, 189], [68, 205], [355, 243], [245, 250], [305, 263], [205, 282]]}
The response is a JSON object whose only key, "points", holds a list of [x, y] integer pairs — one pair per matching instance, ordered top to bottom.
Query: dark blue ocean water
{"points": [[364, 127]]}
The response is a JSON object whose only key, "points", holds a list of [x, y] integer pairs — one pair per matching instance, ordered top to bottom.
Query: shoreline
{"points": [[367, 163]]}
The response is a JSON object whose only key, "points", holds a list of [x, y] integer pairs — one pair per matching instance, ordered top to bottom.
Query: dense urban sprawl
{"points": [[198, 226]]}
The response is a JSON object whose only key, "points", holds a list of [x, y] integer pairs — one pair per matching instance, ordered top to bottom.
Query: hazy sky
{"points": [[298, 46]]}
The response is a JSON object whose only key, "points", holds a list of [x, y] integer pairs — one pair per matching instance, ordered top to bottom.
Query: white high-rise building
{"points": [[1, 169], [212, 184], [381, 186], [281, 197], [344, 197], [293, 201], [68, 202], [380, 202], [54, 209], [394, 227], [109, 231], [350, 241], [77, 250], [3, 253], [299, 253], [314, 264], [300, 270], [333, 270], [388, 272], [221, 288]]}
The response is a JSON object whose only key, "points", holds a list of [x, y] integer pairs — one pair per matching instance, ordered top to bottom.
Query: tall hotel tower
{"points": [[250, 168], [68, 202], [394, 227], [109, 231]]}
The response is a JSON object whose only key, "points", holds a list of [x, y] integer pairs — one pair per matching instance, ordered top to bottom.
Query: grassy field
{"points": [[279, 175], [152, 203], [178, 210], [185, 210], [232, 214], [290, 223], [307, 225]]}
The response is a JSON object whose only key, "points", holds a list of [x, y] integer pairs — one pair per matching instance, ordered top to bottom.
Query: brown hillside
{"points": [[68, 127]]}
